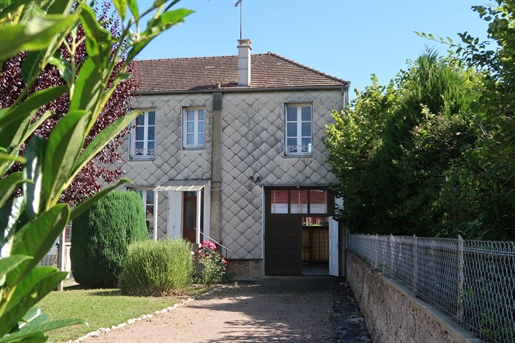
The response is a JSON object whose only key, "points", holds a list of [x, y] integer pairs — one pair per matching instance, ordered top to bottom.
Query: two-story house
{"points": [[230, 149]]}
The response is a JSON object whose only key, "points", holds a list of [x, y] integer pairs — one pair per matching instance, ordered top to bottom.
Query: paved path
{"points": [[286, 309]]}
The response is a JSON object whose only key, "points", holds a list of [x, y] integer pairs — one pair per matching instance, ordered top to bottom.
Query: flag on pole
{"points": [[237, 3]]}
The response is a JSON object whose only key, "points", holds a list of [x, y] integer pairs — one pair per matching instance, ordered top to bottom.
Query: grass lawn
{"points": [[100, 308]]}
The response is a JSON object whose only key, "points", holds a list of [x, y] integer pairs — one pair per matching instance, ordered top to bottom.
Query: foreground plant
{"points": [[30, 224], [212, 267]]}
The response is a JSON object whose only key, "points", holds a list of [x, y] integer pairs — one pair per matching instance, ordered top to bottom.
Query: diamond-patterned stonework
{"points": [[252, 145], [171, 161]]}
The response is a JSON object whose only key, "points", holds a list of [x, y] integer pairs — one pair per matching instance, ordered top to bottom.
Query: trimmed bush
{"points": [[101, 236], [157, 268]]}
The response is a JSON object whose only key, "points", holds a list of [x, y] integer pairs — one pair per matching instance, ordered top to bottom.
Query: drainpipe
{"points": [[216, 169]]}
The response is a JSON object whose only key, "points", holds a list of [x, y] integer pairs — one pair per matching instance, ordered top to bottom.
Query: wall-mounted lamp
{"points": [[255, 179]]}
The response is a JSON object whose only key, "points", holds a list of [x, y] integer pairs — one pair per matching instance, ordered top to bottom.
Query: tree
{"points": [[393, 148], [104, 166], [493, 169], [30, 223], [101, 237]]}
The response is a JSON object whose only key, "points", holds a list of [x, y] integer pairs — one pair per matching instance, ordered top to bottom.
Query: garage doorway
{"points": [[297, 230]]}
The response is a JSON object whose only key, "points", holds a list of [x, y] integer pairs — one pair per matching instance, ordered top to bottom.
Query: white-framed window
{"points": [[194, 127], [298, 133], [143, 136], [147, 196]]}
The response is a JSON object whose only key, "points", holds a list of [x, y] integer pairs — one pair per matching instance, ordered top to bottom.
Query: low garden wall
{"points": [[393, 314]]}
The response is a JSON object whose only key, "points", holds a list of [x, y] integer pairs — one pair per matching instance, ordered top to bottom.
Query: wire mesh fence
{"points": [[472, 281]]}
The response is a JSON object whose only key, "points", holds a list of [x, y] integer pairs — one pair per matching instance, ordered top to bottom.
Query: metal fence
{"points": [[471, 281]]}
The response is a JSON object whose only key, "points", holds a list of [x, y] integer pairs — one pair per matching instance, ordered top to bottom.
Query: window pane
{"points": [[291, 113], [306, 113], [200, 114], [191, 115], [151, 118], [140, 120], [201, 126], [190, 128], [306, 129], [291, 130], [140, 133], [151, 133], [190, 139], [201, 139], [291, 141], [306, 141], [151, 144], [139, 145], [279, 201], [299, 201], [318, 201]]}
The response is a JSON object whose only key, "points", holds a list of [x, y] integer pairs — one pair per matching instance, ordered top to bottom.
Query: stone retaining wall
{"points": [[393, 314]]}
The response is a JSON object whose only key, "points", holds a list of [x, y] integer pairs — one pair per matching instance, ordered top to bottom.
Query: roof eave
{"points": [[244, 90]]}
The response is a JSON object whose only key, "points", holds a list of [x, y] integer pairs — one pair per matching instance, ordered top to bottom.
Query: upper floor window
{"points": [[299, 130], [193, 134], [143, 137]]}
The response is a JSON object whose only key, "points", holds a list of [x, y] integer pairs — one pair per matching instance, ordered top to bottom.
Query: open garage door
{"points": [[299, 237]]}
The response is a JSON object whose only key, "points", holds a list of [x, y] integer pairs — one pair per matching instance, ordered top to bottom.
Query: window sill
{"points": [[298, 155], [141, 158]]}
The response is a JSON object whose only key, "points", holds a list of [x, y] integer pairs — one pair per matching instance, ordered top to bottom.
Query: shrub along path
{"points": [[295, 309]]}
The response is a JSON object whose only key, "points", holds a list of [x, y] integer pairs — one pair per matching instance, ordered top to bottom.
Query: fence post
{"points": [[392, 256], [415, 264], [459, 286]]}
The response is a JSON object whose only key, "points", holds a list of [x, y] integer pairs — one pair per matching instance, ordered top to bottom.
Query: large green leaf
{"points": [[133, 6], [121, 7], [156, 26], [34, 35], [98, 39], [31, 65], [88, 87], [32, 103], [102, 139], [64, 145], [32, 170], [8, 185], [83, 206], [10, 214], [37, 237], [9, 263], [44, 281], [34, 331]]}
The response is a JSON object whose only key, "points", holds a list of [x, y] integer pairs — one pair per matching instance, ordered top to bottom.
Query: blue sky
{"points": [[349, 39]]}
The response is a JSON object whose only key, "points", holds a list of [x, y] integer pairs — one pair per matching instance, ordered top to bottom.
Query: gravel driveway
{"points": [[292, 309]]}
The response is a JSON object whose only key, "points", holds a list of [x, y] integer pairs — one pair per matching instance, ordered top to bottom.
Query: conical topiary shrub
{"points": [[101, 235]]}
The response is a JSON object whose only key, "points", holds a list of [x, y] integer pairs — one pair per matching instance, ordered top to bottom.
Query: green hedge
{"points": [[101, 235], [157, 268]]}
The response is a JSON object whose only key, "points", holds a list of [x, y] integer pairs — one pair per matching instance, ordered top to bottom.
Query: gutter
{"points": [[247, 90]]}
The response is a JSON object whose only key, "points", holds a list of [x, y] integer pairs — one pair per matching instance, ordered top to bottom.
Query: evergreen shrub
{"points": [[101, 236], [157, 268]]}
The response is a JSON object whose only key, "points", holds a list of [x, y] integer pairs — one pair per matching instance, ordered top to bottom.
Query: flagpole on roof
{"points": [[240, 3]]}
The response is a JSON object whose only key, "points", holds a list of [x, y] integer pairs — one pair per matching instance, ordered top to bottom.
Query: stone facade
{"points": [[252, 146]]}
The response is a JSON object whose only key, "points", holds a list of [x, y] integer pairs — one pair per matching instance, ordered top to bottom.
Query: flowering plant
{"points": [[211, 266]]}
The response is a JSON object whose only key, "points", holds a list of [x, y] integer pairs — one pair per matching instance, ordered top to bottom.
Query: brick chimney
{"points": [[244, 48]]}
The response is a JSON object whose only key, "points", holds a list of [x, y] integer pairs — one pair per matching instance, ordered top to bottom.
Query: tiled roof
{"points": [[221, 72]]}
